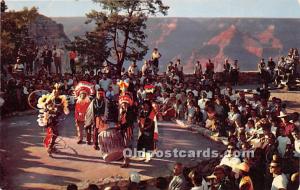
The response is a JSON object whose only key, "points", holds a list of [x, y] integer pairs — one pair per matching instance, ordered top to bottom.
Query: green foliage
{"points": [[122, 23], [14, 33], [91, 45]]}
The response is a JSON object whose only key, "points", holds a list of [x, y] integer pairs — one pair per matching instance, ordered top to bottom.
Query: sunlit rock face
{"points": [[46, 31], [191, 39]]}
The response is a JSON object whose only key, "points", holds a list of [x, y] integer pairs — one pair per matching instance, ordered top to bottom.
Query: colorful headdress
{"points": [[123, 84], [84, 86], [149, 88], [126, 98]]}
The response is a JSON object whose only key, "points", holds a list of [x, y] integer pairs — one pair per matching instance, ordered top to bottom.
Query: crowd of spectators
{"points": [[249, 121]]}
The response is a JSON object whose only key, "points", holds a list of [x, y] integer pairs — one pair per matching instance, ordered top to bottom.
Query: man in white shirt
{"points": [[57, 53], [155, 60], [145, 68], [133, 70], [104, 83], [202, 101], [283, 142], [230, 159], [280, 180]]}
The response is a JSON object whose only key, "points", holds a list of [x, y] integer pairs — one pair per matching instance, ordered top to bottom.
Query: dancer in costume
{"points": [[82, 92], [51, 108], [126, 119], [148, 134]]}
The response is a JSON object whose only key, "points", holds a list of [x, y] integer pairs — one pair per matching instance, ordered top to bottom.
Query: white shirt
{"points": [[57, 53], [19, 67], [144, 68], [133, 70], [25, 90], [202, 102], [282, 143], [297, 148], [231, 161], [279, 182], [204, 186]]}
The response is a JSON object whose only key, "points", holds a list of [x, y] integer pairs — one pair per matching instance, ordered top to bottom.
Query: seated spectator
{"points": [[230, 159], [178, 181], [198, 181]]}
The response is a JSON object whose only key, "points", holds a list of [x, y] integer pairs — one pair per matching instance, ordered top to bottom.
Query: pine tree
{"points": [[3, 6], [122, 23]]}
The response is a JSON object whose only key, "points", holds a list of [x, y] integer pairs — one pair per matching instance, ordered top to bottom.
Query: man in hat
{"points": [[81, 107], [97, 113], [286, 124], [220, 180], [280, 180], [245, 181]]}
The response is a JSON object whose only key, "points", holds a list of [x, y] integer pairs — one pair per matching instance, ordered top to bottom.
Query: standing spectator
{"points": [[57, 54], [72, 56], [48, 59], [155, 60], [271, 66], [19, 67], [146, 68], [227, 68], [210, 69], [133, 70], [198, 70], [234, 73], [264, 75], [105, 83], [115, 87], [283, 142]]}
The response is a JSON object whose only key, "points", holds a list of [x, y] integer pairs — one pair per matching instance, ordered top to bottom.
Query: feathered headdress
{"points": [[123, 84], [84, 86], [149, 88], [126, 98], [47, 103]]}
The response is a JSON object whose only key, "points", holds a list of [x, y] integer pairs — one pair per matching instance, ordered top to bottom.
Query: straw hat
{"points": [[282, 114], [243, 167]]}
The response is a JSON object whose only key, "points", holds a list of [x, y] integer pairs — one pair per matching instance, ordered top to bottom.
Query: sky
{"points": [[178, 8]]}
